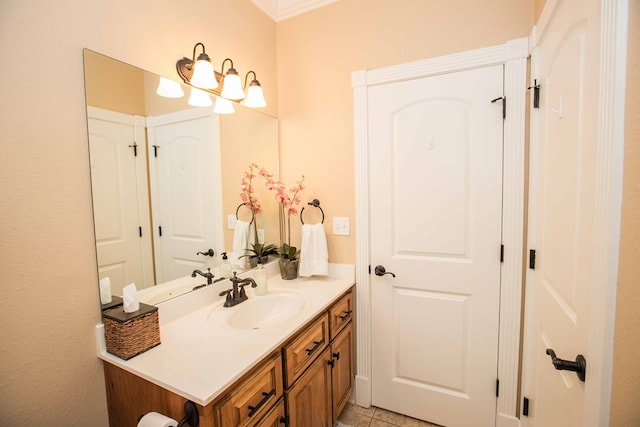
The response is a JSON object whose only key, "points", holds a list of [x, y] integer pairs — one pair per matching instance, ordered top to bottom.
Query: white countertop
{"points": [[201, 355]]}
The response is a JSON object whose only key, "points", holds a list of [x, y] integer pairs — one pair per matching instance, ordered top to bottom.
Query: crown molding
{"points": [[280, 10]]}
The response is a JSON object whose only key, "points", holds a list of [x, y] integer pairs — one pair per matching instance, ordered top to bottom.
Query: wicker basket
{"points": [[129, 334]]}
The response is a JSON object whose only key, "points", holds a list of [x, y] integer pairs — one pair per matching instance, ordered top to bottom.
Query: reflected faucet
{"points": [[208, 275], [237, 294]]}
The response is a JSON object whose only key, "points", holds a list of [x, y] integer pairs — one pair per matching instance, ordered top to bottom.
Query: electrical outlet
{"points": [[231, 222], [341, 226]]}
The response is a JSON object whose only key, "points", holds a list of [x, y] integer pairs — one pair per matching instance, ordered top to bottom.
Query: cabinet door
{"points": [[342, 371], [309, 400], [275, 418]]}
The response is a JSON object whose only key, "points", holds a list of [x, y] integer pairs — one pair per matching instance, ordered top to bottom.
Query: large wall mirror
{"points": [[166, 176]]}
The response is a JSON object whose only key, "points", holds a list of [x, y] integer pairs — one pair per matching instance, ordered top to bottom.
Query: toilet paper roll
{"points": [[154, 419]]}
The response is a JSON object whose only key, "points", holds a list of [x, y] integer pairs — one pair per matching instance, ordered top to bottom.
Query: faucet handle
{"points": [[228, 301]]}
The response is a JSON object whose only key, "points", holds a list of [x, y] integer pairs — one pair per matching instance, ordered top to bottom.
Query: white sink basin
{"points": [[266, 311]]}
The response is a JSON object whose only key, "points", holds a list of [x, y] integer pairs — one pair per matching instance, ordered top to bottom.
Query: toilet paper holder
{"points": [[190, 418]]}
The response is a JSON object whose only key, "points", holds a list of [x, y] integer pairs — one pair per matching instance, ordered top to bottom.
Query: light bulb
{"points": [[203, 75], [232, 86], [169, 88], [199, 98], [223, 106]]}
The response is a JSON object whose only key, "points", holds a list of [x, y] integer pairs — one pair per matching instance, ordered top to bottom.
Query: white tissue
{"points": [[105, 290], [130, 301], [154, 419]]}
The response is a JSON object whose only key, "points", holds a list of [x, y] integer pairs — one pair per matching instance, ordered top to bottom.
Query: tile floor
{"points": [[357, 416]]}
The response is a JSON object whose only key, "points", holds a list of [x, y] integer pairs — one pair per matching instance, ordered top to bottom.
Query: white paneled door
{"points": [[435, 171], [186, 190], [120, 201], [563, 211]]}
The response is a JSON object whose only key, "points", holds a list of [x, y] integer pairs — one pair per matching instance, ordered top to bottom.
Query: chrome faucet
{"points": [[237, 294]]}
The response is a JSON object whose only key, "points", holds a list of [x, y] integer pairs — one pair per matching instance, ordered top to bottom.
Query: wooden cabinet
{"points": [[340, 314], [305, 348], [342, 370], [305, 383], [318, 396], [309, 399], [245, 403], [275, 418]]}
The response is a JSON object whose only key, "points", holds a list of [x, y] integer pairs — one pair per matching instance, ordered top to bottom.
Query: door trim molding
{"points": [[513, 55], [608, 200]]}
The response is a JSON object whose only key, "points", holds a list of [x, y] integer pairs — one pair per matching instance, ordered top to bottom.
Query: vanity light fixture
{"points": [[198, 73], [201, 74], [231, 85], [169, 88], [255, 96], [199, 98], [223, 106]]}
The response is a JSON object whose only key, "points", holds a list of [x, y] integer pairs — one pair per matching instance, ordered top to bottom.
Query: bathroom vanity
{"points": [[285, 358]]}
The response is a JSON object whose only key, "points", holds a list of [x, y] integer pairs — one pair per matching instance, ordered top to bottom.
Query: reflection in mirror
{"points": [[166, 177]]}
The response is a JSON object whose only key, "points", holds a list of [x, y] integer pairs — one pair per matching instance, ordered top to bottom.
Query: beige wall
{"points": [[318, 51], [114, 85], [49, 303], [625, 394]]}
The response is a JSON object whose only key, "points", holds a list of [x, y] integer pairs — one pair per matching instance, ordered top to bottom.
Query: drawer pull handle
{"points": [[346, 314], [317, 345], [254, 409]]}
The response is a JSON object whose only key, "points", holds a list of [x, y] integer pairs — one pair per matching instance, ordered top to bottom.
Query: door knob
{"points": [[210, 253], [380, 271], [579, 366]]}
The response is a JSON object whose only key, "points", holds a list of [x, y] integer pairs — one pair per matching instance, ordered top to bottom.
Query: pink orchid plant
{"points": [[288, 201]]}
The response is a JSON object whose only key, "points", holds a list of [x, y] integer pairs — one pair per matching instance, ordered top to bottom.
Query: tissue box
{"points": [[129, 334]]}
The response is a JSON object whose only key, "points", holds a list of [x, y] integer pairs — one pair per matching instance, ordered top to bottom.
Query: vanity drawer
{"points": [[340, 314], [305, 348], [245, 403]]}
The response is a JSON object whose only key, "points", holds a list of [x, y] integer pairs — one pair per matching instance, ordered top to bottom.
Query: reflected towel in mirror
{"points": [[241, 241]]}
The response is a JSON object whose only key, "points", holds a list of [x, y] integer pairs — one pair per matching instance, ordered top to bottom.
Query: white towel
{"points": [[241, 242], [314, 256]]}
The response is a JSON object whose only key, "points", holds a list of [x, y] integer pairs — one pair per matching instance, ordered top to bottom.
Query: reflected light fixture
{"points": [[198, 73], [231, 85], [169, 88], [255, 96], [199, 98], [223, 106]]}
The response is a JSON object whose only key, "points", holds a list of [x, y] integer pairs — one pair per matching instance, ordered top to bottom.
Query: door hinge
{"points": [[536, 93], [504, 105], [135, 149], [155, 150], [160, 230], [140, 231], [501, 253], [532, 259], [369, 268], [497, 387], [525, 406]]}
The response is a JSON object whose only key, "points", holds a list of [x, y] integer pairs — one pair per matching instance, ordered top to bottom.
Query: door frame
{"points": [[513, 56], [608, 196]]}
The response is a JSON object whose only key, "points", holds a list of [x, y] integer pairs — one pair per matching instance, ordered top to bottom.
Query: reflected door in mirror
{"points": [[184, 165], [118, 183]]}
